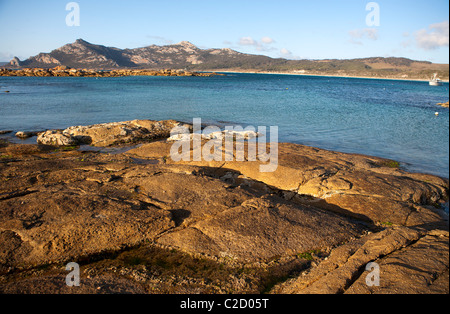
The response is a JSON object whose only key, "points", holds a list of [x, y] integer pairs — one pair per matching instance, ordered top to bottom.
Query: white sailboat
{"points": [[435, 81]]}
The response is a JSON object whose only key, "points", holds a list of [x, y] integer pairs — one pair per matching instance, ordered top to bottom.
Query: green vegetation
{"points": [[3, 143], [66, 148], [391, 164], [309, 256], [174, 262], [178, 270]]}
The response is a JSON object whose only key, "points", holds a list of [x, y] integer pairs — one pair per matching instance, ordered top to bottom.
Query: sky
{"points": [[292, 29]]}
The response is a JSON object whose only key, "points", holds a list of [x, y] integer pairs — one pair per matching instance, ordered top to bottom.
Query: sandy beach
{"points": [[323, 75]]}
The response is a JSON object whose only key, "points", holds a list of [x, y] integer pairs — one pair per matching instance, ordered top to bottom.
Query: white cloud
{"points": [[370, 33], [436, 36], [160, 39], [267, 40], [247, 41], [355, 42], [406, 43], [263, 45], [285, 52], [5, 56]]}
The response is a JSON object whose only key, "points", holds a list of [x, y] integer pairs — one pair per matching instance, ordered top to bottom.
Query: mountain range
{"points": [[185, 55]]}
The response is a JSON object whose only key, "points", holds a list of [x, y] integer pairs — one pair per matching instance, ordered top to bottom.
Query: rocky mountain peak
{"points": [[81, 42], [187, 44], [15, 62]]}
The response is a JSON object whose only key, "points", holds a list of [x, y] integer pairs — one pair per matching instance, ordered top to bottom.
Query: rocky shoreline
{"points": [[64, 71], [138, 222]]}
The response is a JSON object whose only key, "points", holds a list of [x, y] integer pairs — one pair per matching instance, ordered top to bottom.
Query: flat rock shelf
{"points": [[162, 226]]}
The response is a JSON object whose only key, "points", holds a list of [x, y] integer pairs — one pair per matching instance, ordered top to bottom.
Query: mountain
{"points": [[82, 54], [185, 55]]}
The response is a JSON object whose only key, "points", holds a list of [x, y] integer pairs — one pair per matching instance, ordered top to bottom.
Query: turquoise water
{"points": [[386, 118]]}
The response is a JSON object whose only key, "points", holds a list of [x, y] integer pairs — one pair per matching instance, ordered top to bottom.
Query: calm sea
{"points": [[386, 118]]}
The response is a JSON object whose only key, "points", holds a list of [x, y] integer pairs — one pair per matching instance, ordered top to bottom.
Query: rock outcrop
{"points": [[15, 62], [61, 71], [107, 134], [57, 138], [364, 187], [139, 222], [424, 252]]}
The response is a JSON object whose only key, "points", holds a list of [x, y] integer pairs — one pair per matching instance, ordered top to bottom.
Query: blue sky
{"points": [[278, 28]]}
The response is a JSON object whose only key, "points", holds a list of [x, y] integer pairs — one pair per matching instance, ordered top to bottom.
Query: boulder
{"points": [[61, 68], [24, 135], [56, 138]]}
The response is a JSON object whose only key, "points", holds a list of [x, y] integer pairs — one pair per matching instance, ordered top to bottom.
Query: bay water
{"points": [[386, 118]]}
